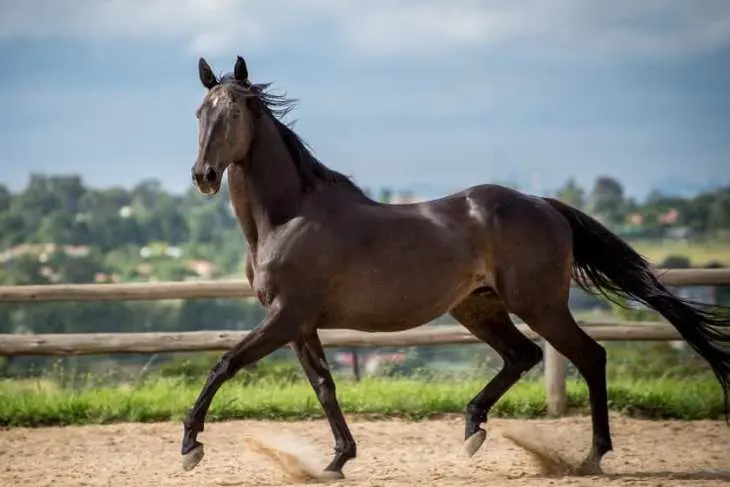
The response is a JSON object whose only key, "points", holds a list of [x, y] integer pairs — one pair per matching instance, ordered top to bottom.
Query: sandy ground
{"points": [[391, 453]]}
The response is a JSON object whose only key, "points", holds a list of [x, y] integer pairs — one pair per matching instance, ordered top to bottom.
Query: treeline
{"points": [[63, 210], [704, 214]]}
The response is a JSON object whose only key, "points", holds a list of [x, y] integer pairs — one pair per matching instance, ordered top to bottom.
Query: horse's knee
{"points": [[599, 355], [531, 357], [525, 358], [593, 360]]}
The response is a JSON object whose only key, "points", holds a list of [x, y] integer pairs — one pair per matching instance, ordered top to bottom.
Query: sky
{"points": [[424, 95]]}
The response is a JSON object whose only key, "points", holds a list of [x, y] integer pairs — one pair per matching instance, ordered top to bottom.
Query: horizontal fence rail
{"points": [[239, 288], [147, 291], [198, 341]]}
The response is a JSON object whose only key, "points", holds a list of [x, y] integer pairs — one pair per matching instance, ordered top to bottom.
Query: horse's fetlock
{"points": [[475, 414], [192, 423], [602, 445], [347, 449]]}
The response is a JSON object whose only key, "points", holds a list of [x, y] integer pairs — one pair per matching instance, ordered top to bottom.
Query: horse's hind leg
{"points": [[485, 316], [558, 327], [314, 362]]}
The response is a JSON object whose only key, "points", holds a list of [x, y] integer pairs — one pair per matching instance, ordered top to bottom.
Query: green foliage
{"points": [[572, 194], [607, 200], [62, 210], [676, 262], [653, 360], [413, 365], [195, 368], [35, 403]]}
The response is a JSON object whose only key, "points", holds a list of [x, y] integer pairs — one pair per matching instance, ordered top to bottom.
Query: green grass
{"points": [[699, 253], [35, 403]]}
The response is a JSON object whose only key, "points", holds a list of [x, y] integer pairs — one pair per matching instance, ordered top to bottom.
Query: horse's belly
{"points": [[376, 310]]}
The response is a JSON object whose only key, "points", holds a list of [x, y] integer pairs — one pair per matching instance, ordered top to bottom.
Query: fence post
{"points": [[355, 365], [555, 372]]}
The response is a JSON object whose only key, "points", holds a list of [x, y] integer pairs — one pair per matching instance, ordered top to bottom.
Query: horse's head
{"points": [[225, 124]]}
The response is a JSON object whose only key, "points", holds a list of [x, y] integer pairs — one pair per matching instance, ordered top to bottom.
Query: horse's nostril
{"points": [[211, 175]]}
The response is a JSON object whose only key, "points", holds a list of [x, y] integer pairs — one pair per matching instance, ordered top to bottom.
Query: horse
{"points": [[322, 254]]}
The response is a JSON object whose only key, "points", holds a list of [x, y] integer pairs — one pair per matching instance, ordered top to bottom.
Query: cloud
{"points": [[384, 27]]}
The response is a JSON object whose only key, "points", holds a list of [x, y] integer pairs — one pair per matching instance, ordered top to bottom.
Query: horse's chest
{"points": [[265, 281], [261, 285]]}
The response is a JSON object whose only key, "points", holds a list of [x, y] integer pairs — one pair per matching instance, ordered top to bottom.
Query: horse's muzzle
{"points": [[206, 179]]}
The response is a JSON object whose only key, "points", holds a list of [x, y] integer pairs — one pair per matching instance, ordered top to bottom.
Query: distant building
{"points": [[126, 211], [671, 216], [635, 219], [44, 251], [203, 268]]}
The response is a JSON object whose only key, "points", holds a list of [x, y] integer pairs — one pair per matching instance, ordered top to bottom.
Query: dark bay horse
{"points": [[324, 255]]}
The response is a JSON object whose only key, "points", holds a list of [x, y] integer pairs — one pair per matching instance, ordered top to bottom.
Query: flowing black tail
{"points": [[613, 267]]}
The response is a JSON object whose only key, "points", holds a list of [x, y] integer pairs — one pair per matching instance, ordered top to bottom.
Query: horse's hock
{"points": [[393, 453]]}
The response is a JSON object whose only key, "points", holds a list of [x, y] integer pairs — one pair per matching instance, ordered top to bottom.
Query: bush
{"points": [[676, 262]]}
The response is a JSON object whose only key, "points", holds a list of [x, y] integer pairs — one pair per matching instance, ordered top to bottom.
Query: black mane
{"points": [[312, 172]]}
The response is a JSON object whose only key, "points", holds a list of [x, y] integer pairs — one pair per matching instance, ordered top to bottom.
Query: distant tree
{"points": [[572, 194], [385, 196], [5, 198], [607, 199], [719, 210], [14, 231], [81, 269], [22, 270]]}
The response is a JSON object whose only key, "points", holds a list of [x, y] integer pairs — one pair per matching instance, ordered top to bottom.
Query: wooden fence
{"points": [[156, 291], [106, 343]]}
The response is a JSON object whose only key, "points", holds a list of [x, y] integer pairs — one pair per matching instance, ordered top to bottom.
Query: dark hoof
{"points": [[474, 442], [191, 459]]}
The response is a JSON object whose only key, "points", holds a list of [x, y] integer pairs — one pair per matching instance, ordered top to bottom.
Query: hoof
{"points": [[474, 442], [192, 458], [589, 467], [328, 475]]}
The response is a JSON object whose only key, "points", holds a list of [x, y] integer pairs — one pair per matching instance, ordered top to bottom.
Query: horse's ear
{"points": [[240, 71], [206, 74]]}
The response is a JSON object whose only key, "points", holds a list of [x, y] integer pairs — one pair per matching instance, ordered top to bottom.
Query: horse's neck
{"points": [[265, 189]]}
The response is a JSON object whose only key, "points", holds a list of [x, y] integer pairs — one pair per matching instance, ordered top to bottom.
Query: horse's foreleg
{"points": [[486, 318], [277, 329], [311, 355]]}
